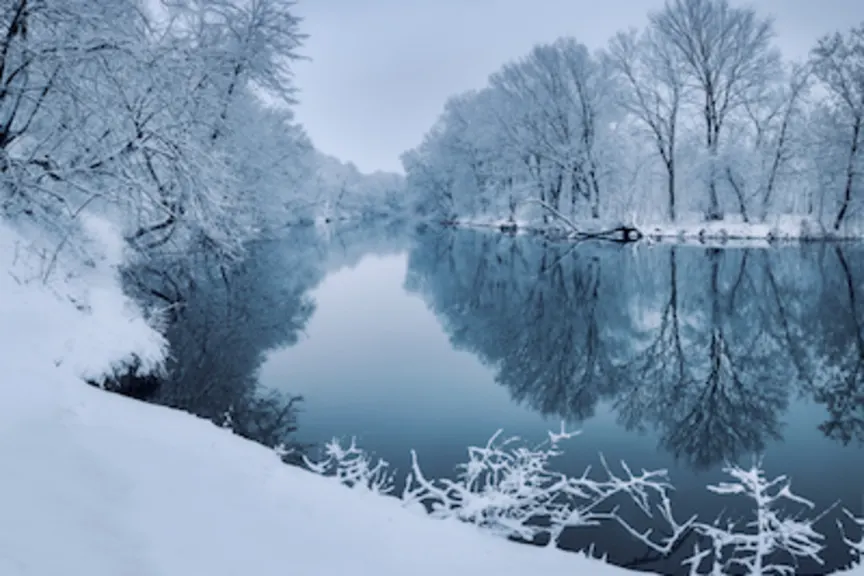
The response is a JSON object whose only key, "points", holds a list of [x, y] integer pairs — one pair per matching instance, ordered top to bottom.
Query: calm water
{"points": [[665, 357]]}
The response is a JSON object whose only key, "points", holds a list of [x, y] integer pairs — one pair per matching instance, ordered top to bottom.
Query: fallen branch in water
{"points": [[621, 233]]}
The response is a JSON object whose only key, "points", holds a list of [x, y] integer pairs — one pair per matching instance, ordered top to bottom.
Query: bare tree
{"points": [[726, 52], [838, 62], [654, 78], [782, 117], [767, 142]]}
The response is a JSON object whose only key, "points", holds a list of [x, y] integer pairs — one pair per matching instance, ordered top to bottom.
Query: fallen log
{"points": [[622, 233]]}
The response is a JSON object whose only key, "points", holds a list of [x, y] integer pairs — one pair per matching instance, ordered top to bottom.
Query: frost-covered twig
{"points": [[353, 467], [501, 488], [508, 489], [641, 489], [856, 546], [756, 548]]}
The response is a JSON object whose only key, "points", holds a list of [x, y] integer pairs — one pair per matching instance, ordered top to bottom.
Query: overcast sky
{"points": [[381, 70]]}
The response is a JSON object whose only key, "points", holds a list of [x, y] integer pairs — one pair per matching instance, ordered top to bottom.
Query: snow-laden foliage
{"points": [[172, 118], [695, 118], [149, 119], [339, 191], [509, 489]]}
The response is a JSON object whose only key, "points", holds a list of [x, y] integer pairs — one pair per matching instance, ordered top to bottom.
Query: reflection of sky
{"points": [[377, 364]]}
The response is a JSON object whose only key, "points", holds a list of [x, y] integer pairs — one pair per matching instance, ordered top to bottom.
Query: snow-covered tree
{"points": [[726, 51], [838, 63], [653, 79], [152, 114], [555, 114], [764, 165]]}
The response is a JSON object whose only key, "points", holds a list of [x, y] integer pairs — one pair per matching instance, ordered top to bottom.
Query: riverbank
{"points": [[731, 230], [102, 485]]}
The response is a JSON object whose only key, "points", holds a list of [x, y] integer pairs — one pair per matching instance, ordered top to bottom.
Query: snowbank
{"points": [[500, 224], [732, 227], [691, 229], [97, 484]]}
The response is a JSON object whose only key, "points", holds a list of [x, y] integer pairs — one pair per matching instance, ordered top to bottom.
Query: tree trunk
{"points": [[712, 131], [850, 174], [670, 187], [595, 190], [714, 213]]}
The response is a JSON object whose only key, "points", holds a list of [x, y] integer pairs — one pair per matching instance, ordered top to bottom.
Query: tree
{"points": [[242, 42], [49, 51], [726, 53], [838, 63], [654, 82], [553, 112], [155, 121], [768, 143]]}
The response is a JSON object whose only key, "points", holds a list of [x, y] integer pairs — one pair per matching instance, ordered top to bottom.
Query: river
{"points": [[674, 357]]}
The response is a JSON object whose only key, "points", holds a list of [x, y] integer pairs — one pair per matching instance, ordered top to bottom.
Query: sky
{"points": [[380, 70]]}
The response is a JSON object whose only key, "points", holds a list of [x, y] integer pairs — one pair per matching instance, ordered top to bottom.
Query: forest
{"points": [[697, 118], [172, 119]]}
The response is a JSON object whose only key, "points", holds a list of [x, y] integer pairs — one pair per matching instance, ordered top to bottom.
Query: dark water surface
{"points": [[666, 357]]}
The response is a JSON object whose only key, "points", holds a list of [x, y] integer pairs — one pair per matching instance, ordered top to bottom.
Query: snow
{"points": [[501, 224], [732, 227], [690, 229], [98, 484]]}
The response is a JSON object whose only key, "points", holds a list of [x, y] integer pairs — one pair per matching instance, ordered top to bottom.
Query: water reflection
{"points": [[223, 320], [706, 348], [707, 354], [836, 372]]}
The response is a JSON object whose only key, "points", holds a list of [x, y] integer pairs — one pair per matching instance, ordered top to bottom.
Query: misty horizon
{"points": [[377, 79]]}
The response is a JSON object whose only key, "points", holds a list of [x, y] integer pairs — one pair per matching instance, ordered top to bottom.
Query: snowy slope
{"points": [[99, 485], [105, 486]]}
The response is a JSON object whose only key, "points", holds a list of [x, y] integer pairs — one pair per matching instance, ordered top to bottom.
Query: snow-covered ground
{"points": [[732, 227], [98, 484]]}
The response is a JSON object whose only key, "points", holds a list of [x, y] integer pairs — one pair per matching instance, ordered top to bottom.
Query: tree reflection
{"points": [[504, 300], [224, 321], [704, 346], [838, 363], [707, 381]]}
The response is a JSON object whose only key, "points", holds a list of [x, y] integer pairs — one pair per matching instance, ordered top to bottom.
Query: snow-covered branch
{"points": [[353, 467], [510, 490], [770, 543]]}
